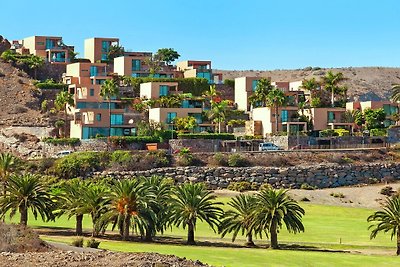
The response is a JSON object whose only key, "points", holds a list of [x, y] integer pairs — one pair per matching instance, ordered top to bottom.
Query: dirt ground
{"points": [[367, 196]]}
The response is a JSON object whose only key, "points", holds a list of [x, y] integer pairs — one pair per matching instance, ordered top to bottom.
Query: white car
{"points": [[268, 147], [63, 153]]}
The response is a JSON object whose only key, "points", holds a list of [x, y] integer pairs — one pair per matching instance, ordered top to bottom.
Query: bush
{"points": [[51, 85], [342, 132], [378, 132], [328, 133], [220, 136], [61, 141], [122, 141], [120, 156], [185, 157], [157, 159], [219, 159], [236, 160], [240, 186], [265, 186], [306, 186], [387, 191], [337, 195], [77, 242], [92, 243]]}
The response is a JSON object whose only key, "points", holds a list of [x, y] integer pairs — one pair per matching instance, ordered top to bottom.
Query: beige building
{"points": [[51, 48], [97, 48], [199, 69], [244, 87], [154, 90], [389, 107], [327, 118]]}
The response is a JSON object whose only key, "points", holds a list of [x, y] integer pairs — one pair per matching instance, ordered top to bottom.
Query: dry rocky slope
{"points": [[365, 83]]}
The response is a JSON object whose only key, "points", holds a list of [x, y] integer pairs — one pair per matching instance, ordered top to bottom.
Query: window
{"points": [[50, 44], [105, 46], [136, 64], [93, 71], [205, 75], [254, 85], [164, 90], [91, 92], [197, 116], [284, 116], [331, 116], [98, 117], [170, 117], [117, 119], [117, 132]]}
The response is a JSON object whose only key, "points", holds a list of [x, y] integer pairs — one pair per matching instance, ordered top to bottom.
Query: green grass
{"points": [[329, 227]]}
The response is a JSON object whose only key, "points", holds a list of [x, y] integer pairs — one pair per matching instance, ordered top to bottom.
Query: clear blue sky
{"points": [[238, 35]]}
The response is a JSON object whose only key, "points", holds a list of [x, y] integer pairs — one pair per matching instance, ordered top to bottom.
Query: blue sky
{"points": [[236, 35]]}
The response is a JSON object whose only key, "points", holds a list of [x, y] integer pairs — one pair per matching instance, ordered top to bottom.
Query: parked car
{"points": [[268, 147], [63, 153]]}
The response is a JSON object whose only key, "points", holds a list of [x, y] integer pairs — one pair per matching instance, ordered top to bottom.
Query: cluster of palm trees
{"points": [[147, 206]]}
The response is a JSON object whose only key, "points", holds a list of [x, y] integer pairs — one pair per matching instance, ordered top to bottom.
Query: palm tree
{"points": [[34, 63], [331, 81], [310, 85], [109, 90], [395, 93], [260, 96], [276, 98], [63, 100], [218, 112], [7, 163], [26, 192], [128, 200], [192, 202], [72, 203], [94, 203], [273, 207], [240, 218], [388, 220]]}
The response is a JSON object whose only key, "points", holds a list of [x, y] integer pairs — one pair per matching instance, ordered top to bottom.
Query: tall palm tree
{"points": [[331, 83], [310, 85], [109, 90], [261, 92], [395, 93], [276, 98], [63, 100], [218, 112], [7, 164], [24, 193], [128, 200], [192, 202], [72, 203], [273, 207], [240, 218], [388, 220]]}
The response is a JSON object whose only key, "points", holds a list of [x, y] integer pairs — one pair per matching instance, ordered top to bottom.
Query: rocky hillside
{"points": [[366, 83], [19, 98]]}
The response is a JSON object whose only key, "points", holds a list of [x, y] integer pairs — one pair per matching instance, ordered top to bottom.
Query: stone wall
{"points": [[196, 145], [321, 176]]}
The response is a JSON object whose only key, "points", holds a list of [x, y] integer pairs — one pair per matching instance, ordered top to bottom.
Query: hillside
{"points": [[366, 83], [19, 99]]}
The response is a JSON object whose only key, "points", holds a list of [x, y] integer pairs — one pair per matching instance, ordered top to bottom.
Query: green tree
{"points": [[115, 51], [168, 55], [34, 63], [331, 83], [310, 85], [109, 90], [395, 93], [260, 96], [276, 98], [63, 100], [218, 112], [374, 118], [185, 124], [7, 165], [24, 193], [128, 201], [192, 202], [273, 208], [240, 218], [388, 220]]}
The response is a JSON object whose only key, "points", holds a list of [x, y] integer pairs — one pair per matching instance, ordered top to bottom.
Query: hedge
{"points": [[44, 85], [222, 136], [133, 139], [61, 141]]}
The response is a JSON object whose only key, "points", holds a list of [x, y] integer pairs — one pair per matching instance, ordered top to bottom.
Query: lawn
{"points": [[329, 227]]}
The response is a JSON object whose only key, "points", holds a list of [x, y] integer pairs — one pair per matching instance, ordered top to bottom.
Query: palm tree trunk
{"points": [[333, 98], [276, 119], [65, 122], [219, 126], [24, 216], [79, 219], [127, 224], [149, 236], [274, 236], [190, 239], [249, 240], [398, 243]]}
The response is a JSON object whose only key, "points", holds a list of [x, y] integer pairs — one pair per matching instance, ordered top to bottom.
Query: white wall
{"points": [[240, 93], [263, 115]]}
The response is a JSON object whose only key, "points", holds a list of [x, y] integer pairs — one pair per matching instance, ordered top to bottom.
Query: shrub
{"points": [[51, 85], [44, 105], [342, 132], [378, 132], [328, 133], [221, 136], [61, 141], [122, 141], [120, 156], [185, 157], [156, 159], [219, 159], [236, 160], [240, 186], [265, 186], [306, 186], [387, 191], [337, 195], [77, 242], [92, 243]]}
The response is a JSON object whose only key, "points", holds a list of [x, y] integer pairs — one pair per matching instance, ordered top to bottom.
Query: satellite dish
{"points": [[130, 121]]}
